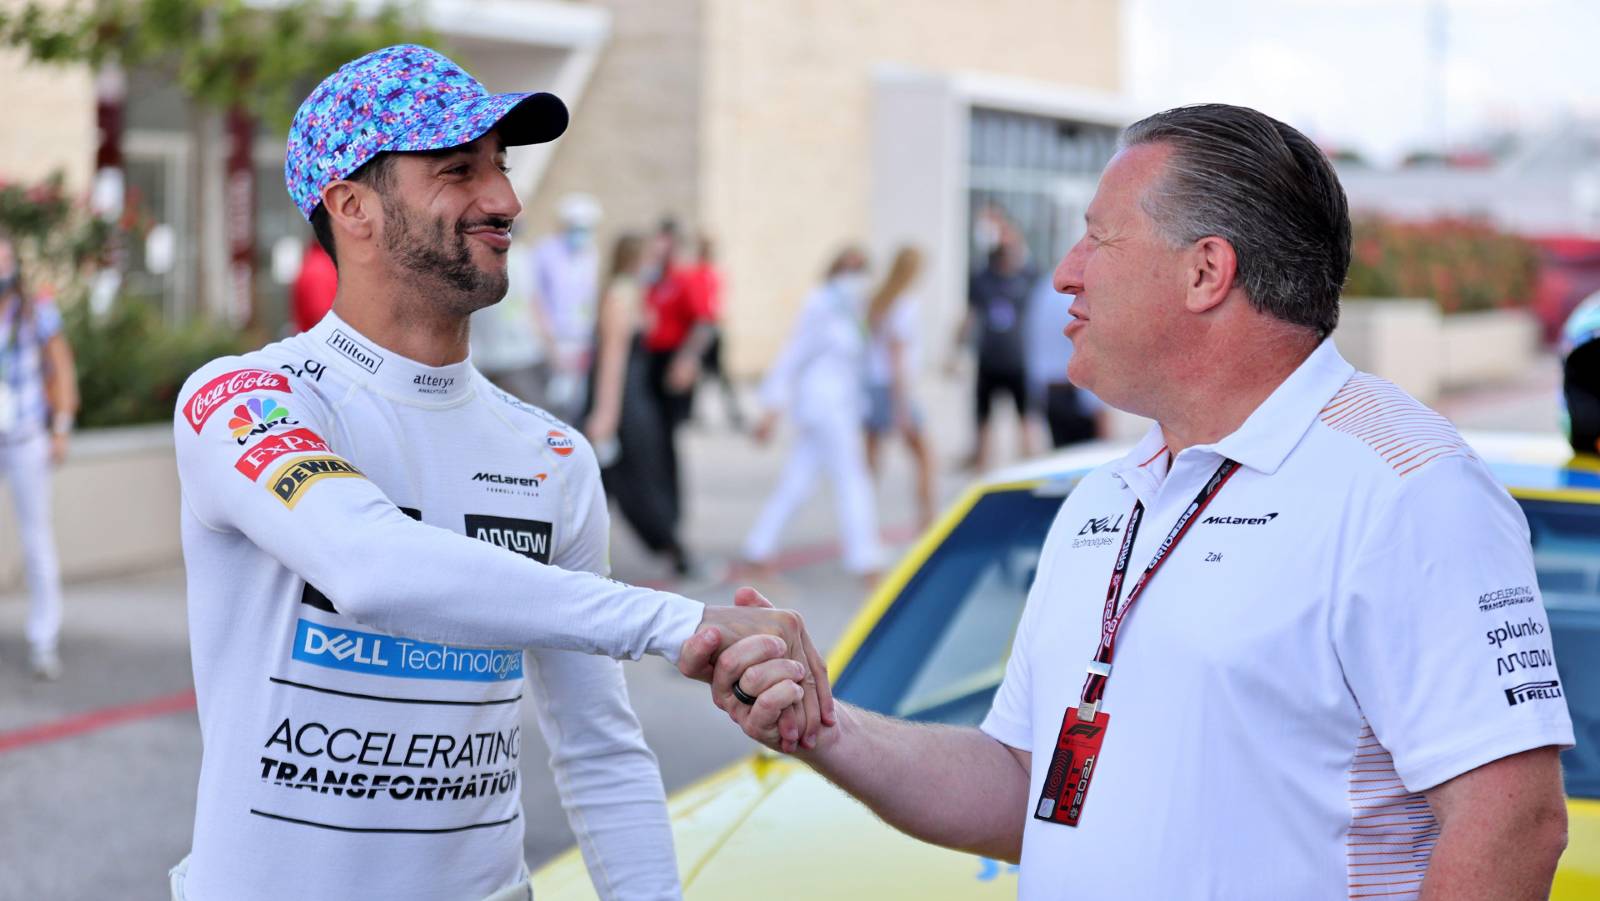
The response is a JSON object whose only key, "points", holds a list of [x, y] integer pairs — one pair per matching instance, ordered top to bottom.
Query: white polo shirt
{"points": [[1353, 620]]}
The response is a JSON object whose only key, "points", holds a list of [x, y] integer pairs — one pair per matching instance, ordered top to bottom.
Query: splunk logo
{"points": [[528, 537], [1509, 630], [386, 655]]}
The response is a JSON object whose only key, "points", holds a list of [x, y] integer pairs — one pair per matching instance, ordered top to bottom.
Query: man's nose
{"points": [[500, 199], [1068, 278]]}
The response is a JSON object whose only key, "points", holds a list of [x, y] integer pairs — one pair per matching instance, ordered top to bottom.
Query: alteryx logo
{"points": [[404, 658]]}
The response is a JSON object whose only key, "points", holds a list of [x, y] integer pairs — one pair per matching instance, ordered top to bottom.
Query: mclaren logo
{"points": [[1238, 520]]}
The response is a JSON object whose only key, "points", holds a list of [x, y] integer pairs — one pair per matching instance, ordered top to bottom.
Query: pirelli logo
{"points": [[292, 479]]}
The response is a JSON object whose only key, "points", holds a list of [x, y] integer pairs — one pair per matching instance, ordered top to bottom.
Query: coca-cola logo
{"points": [[213, 394]]}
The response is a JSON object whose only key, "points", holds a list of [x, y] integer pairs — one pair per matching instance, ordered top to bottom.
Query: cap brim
{"points": [[538, 118], [520, 119]]}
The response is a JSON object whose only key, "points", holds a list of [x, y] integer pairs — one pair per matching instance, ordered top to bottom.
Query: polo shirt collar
{"points": [[387, 372], [1270, 433]]}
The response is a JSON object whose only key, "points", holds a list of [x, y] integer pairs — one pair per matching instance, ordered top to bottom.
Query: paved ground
{"points": [[97, 771]]}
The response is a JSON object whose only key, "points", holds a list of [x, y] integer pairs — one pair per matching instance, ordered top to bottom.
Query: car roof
{"points": [[1523, 461]]}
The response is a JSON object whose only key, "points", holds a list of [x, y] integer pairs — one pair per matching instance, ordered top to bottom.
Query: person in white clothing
{"points": [[566, 286], [892, 362], [817, 379], [38, 402], [386, 555], [1333, 677]]}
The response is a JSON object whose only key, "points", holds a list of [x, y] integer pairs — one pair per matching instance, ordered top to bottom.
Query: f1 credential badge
{"points": [[1072, 765]]}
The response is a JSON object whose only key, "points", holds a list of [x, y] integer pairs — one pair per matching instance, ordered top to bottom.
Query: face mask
{"points": [[577, 238], [852, 284]]}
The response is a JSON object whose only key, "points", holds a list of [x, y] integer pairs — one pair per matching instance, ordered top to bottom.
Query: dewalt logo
{"points": [[292, 479]]}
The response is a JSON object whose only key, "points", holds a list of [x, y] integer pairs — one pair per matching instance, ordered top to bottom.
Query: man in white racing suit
{"points": [[386, 554]]}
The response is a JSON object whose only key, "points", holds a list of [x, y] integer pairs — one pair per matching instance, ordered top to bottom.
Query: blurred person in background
{"points": [[565, 279], [706, 281], [314, 286], [997, 303], [677, 331], [508, 346], [891, 367], [818, 380], [1580, 381], [38, 402], [1072, 414], [623, 421]]}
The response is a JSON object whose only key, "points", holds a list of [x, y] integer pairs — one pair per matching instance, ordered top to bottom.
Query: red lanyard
{"points": [[1094, 687]]}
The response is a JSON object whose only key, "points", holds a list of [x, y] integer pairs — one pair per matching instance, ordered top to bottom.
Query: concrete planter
{"points": [[1409, 342], [116, 506]]}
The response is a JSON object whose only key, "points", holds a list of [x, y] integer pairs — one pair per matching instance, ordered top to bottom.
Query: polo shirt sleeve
{"points": [[1441, 630]]}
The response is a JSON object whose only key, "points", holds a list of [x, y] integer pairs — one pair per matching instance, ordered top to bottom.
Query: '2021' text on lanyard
{"points": [[1083, 728]]}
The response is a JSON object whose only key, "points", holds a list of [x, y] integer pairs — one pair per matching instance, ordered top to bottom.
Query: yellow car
{"points": [[931, 644]]}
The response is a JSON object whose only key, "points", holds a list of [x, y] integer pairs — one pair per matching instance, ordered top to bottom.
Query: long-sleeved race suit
{"points": [[383, 559]]}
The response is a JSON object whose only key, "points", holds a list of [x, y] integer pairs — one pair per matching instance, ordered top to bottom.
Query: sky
{"points": [[1370, 75]]}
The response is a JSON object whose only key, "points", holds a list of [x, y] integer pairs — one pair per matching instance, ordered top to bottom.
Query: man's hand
{"points": [[682, 373], [805, 707]]}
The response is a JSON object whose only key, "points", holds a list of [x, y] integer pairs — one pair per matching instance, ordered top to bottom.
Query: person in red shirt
{"points": [[704, 281], [313, 289], [678, 329]]}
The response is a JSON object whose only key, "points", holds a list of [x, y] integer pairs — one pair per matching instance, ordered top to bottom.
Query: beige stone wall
{"points": [[49, 115], [786, 124], [634, 139]]}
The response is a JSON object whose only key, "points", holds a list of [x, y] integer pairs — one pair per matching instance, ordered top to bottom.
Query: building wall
{"points": [[54, 108], [786, 124], [634, 138]]}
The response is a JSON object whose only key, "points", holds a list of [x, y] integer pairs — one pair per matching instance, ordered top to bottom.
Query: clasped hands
{"points": [[768, 655]]}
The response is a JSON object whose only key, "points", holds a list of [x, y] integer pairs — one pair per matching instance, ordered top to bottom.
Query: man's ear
{"points": [[351, 210], [1210, 274]]}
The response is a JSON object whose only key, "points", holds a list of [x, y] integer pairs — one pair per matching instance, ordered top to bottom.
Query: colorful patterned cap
{"points": [[402, 98]]}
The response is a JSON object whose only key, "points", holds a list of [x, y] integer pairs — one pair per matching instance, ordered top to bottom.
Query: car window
{"points": [[1566, 555], [940, 651]]}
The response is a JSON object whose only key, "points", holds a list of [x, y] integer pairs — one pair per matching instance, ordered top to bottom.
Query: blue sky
{"points": [[1362, 73]]}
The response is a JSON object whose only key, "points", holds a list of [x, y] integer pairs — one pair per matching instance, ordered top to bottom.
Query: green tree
{"points": [[229, 57]]}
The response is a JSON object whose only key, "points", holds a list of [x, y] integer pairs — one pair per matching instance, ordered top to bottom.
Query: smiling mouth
{"points": [[498, 239]]}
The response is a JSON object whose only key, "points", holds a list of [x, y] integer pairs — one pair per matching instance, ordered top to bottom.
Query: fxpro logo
{"points": [[1238, 520], [528, 537], [384, 655], [1533, 691]]}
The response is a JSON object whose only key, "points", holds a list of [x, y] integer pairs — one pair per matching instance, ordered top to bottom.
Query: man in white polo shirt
{"points": [[1278, 677]]}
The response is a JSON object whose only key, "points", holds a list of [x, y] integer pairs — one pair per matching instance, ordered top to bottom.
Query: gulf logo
{"points": [[559, 442]]}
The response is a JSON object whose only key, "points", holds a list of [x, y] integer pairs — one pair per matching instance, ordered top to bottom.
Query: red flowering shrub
{"points": [[1464, 265]]}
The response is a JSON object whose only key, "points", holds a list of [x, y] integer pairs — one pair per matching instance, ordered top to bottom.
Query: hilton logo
{"points": [[355, 351], [527, 537]]}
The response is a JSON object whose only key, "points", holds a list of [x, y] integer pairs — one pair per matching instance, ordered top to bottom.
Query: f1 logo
{"points": [[1084, 729]]}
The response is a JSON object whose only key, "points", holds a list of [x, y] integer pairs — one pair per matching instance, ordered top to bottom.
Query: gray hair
{"points": [[1266, 189]]}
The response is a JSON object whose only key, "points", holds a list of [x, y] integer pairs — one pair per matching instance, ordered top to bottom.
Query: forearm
{"points": [[610, 367], [951, 786], [1495, 859]]}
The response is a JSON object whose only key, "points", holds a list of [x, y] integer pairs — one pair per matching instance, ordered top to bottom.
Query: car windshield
{"points": [[940, 650]]}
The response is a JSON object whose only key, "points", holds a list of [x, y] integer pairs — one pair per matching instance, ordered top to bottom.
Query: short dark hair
{"points": [[375, 173], [1268, 190]]}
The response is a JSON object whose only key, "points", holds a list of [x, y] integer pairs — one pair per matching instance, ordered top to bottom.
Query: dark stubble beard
{"points": [[441, 257]]}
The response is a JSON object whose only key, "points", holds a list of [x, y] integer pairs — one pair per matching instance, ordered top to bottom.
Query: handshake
{"points": [[764, 672]]}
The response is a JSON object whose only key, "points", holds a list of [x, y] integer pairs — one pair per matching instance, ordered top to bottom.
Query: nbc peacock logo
{"points": [[257, 416]]}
